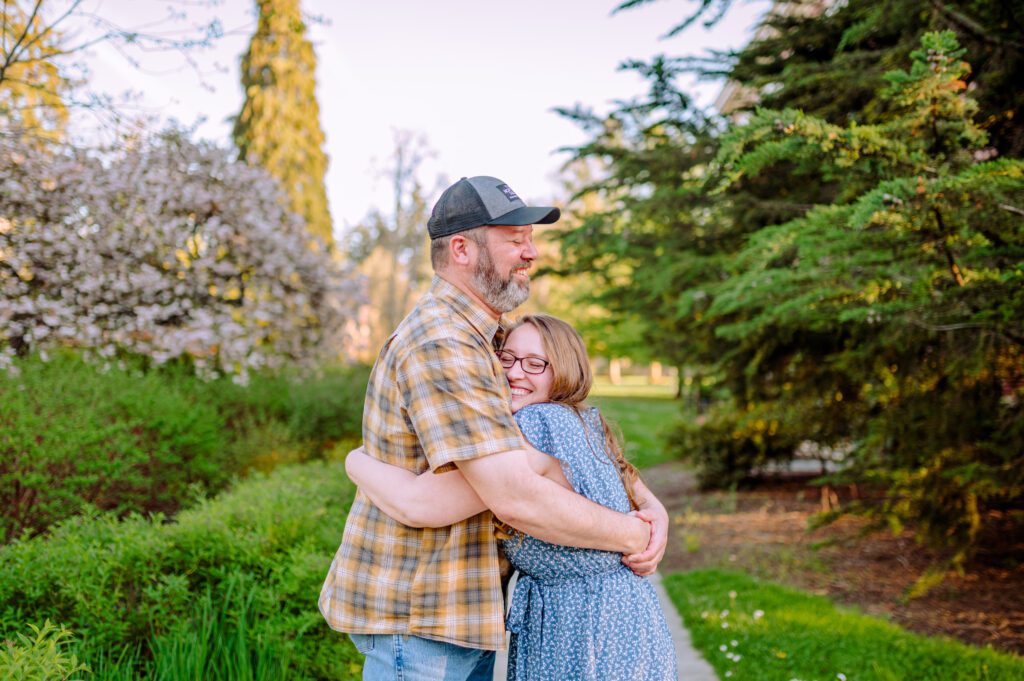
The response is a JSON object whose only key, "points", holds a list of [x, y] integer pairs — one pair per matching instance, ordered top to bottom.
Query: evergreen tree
{"points": [[830, 61], [279, 124], [647, 210], [853, 285], [892, 316]]}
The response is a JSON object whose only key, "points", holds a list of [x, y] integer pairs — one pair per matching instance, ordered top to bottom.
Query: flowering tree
{"points": [[169, 249]]}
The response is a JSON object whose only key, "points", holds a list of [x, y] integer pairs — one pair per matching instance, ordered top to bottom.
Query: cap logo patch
{"points": [[509, 194]]}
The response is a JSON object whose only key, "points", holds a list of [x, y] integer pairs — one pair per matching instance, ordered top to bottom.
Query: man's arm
{"points": [[425, 500], [544, 509], [653, 511]]}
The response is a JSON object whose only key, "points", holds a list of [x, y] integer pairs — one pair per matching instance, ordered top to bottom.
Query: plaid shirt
{"points": [[437, 395]]}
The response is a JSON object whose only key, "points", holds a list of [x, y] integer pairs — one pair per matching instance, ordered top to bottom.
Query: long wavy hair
{"points": [[571, 382]]}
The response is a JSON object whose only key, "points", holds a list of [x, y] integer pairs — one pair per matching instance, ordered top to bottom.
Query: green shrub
{"points": [[328, 407], [302, 415], [73, 436], [131, 439], [726, 445], [130, 585], [44, 656]]}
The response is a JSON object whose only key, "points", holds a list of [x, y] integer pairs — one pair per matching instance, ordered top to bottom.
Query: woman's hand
{"points": [[646, 562]]}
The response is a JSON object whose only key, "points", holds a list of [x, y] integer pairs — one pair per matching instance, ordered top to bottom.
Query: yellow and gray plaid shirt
{"points": [[436, 395]]}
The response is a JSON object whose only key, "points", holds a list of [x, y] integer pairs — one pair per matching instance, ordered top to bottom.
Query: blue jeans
{"points": [[392, 657]]}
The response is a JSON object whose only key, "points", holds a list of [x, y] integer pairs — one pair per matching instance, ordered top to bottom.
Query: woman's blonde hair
{"points": [[571, 382]]}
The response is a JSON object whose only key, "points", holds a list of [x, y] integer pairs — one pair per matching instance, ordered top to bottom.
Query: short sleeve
{"points": [[457, 401], [536, 427]]}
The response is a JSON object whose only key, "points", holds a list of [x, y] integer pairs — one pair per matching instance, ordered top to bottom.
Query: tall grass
{"points": [[221, 641]]}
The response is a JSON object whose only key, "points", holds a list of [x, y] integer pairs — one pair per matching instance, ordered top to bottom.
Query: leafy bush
{"points": [[316, 410], [74, 436], [119, 441], [726, 444], [128, 588], [44, 656]]}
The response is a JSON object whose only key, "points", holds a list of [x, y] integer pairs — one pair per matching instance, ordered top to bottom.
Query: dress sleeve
{"points": [[456, 402], [535, 422]]}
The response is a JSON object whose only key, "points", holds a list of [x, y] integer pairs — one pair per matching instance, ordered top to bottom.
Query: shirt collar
{"points": [[476, 314]]}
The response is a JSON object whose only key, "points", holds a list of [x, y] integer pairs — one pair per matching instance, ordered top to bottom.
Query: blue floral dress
{"points": [[580, 614]]}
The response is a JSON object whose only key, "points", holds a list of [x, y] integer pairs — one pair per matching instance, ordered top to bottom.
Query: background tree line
{"points": [[842, 261]]}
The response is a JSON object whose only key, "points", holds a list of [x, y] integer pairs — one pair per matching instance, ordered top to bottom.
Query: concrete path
{"points": [[692, 667]]}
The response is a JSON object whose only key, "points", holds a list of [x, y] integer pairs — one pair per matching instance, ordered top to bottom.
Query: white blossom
{"points": [[167, 249]]}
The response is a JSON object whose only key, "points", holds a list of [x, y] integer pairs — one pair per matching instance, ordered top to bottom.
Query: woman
{"points": [[576, 614]]}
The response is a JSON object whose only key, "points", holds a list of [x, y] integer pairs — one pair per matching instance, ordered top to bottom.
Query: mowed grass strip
{"points": [[643, 421], [754, 631]]}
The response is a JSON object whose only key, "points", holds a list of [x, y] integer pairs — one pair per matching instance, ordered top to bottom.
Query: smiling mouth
{"points": [[519, 392]]}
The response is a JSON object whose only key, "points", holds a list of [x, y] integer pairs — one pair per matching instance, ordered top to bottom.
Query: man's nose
{"points": [[530, 252]]}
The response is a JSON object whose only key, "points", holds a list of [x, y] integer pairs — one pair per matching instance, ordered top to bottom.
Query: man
{"points": [[427, 603]]}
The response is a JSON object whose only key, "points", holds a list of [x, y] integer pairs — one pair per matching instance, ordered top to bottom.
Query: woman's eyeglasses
{"points": [[531, 365]]}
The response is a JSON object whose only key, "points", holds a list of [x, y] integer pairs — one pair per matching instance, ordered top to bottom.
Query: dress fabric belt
{"points": [[526, 618]]}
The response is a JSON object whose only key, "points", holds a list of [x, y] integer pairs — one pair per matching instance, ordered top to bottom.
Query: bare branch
{"points": [[46, 29], [3, 33], [11, 57]]}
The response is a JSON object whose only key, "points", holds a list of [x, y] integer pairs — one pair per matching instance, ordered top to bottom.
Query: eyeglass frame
{"points": [[522, 365]]}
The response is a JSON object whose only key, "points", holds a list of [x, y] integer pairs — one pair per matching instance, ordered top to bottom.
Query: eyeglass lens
{"points": [[531, 365]]}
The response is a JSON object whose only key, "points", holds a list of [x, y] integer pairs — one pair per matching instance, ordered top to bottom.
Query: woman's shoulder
{"points": [[544, 408], [547, 413], [556, 421]]}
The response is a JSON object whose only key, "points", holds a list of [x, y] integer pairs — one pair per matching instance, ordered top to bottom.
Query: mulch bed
{"points": [[764, 531]]}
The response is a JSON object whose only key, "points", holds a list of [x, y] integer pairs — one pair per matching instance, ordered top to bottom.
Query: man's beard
{"points": [[503, 295]]}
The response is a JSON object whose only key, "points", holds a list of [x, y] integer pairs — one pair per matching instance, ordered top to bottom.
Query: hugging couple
{"points": [[478, 451]]}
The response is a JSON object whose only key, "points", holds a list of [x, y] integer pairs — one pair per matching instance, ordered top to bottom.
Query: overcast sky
{"points": [[478, 78]]}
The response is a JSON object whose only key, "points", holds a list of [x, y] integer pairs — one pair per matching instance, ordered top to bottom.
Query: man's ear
{"points": [[461, 250]]}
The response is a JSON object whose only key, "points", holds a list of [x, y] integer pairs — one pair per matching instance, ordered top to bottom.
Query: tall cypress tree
{"points": [[279, 125]]}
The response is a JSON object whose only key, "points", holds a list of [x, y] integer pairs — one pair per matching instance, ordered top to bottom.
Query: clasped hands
{"points": [[646, 562]]}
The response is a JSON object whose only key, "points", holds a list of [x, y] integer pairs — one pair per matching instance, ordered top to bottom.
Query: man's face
{"points": [[501, 275]]}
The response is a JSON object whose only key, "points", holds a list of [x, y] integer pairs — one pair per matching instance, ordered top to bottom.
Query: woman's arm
{"points": [[427, 500]]}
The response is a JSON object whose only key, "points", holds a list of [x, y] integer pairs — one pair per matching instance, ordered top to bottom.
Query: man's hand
{"points": [[646, 562]]}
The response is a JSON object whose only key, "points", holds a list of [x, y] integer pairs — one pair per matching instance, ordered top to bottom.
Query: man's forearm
{"points": [[542, 508], [559, 516]]}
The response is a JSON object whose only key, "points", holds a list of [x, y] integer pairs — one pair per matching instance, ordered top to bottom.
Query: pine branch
{"points": [[972, 26], [953, 267]]}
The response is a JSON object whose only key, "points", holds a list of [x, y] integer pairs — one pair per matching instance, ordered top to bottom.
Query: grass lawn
{"points": [[642, 420], [756, 631]]}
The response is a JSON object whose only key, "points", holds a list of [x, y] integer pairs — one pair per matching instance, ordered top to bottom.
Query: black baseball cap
{"points": [[482, 200]]}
